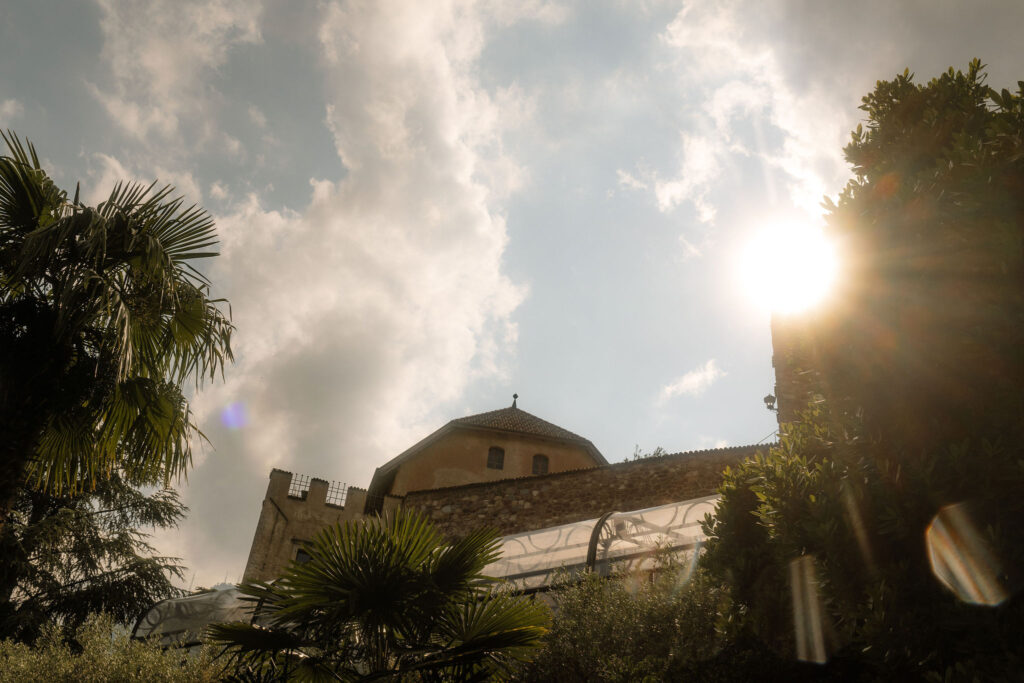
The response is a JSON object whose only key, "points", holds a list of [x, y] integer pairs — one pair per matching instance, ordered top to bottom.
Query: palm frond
{"points": [[124, 320], [460, 565], [384, 597]]}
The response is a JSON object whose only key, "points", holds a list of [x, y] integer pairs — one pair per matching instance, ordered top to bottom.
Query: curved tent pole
{"points": [[595, 536]]}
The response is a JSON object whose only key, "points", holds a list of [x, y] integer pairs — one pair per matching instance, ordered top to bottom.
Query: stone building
{"points": [[500, 444], [491, 446], [506, 469]]}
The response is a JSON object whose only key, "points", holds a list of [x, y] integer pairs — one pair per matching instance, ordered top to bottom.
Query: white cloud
{"points": [[160, 51], [723, 57], [10, 109], [257, 117], [698, 168], [105, 171], [628, 180], [218, 191], [690, 250], [363, 315], [693, 383], [705, 441]]}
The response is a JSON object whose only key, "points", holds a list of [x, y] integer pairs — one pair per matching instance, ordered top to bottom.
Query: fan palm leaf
{"points": [[119, 318], [387, 596]]}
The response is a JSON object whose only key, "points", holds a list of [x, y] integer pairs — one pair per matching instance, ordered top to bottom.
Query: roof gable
{"points": [[511, 420]]}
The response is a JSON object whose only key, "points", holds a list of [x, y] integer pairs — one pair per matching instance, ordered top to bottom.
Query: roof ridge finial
{"points": [[514, 398]]}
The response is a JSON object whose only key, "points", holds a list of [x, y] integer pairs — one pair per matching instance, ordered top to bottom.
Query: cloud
{"points": [[540, 11], [159, 53], [743, 104], [10, 109], [257, 117], [699, 165], [698, 168], [105, 171], [630, 181], [218, 191], [690, 250], [362, 317], [693, 383]]}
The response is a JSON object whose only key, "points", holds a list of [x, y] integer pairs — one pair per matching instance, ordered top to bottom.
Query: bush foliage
{"points": [[72, 555], [627, 628], [98, 654]]}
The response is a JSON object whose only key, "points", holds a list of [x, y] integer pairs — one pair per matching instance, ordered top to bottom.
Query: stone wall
{"points": [[527, 503], [287, 521]]}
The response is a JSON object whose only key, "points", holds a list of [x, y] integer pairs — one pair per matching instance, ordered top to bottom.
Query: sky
{"points": [[424, 207]]}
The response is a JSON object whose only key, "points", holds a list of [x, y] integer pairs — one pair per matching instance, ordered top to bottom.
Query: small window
{"points": [[496, 458], [540, 464], [302, 557]]}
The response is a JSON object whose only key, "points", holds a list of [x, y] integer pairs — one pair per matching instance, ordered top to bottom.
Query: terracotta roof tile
{"points": [[516, 420]]}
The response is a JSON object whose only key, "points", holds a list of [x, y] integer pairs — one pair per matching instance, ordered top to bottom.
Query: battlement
{"points": [[302, 487], [295, 508]]}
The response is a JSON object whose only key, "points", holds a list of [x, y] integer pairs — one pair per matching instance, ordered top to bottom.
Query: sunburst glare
{"points": [[787, 267]]}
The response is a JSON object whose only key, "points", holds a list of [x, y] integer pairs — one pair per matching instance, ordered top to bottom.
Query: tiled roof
{"points": [[511, 420], [516, 420]]}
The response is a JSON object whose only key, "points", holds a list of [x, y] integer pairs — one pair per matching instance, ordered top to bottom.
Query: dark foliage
{"points": [[103, 318], [917, 374], [72, 555], [385, 599], [627, 628]]}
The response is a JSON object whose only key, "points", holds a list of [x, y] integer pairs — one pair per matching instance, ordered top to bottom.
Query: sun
{"points": [[788, 267]]}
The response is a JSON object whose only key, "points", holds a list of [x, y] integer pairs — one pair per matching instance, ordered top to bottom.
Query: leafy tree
{"points": [[103, 318], [925, 340], [919, 406], [642, 455], [68, 556], [386, 598], [629, 627], [98, 653]]}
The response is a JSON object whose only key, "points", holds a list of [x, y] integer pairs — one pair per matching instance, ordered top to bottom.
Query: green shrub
{"points": [[628, 628], [99, 653]]}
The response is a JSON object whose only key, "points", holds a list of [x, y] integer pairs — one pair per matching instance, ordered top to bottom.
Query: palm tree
{"points": [[103, 318], [387, 598]]}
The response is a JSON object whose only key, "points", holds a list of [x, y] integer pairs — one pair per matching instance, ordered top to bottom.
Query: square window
{"points": [[496, 458], [540, 464]]}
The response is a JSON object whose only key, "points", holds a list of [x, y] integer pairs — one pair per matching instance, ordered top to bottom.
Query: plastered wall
{"points": [[461, 458]]}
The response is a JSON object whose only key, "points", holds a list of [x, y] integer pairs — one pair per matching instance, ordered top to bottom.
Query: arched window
{"points": [[496, 458], [540, 464]]}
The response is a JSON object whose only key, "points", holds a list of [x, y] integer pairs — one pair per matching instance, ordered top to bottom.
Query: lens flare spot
{"points": [[233, 416], [962, 559], [808, 616]]}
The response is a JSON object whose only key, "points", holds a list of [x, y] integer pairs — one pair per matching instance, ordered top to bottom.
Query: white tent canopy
{"points": [[628, 540], [180, 621]]}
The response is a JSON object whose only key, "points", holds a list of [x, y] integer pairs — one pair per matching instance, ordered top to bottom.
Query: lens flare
{"points": [[233, 416], [856, 520], [962, 559], [808, 616]]}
